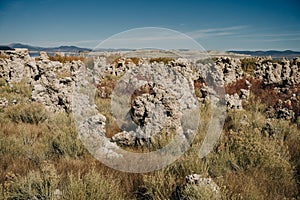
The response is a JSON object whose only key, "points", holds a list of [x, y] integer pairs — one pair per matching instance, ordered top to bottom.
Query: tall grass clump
{"points": [[249, 65], [19, 92], [33, 113], [64, 141], [245, 152], [37, 184], [93, 185]]}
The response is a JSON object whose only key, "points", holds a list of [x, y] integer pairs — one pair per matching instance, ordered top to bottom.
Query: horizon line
{"points": [[83, 47]]}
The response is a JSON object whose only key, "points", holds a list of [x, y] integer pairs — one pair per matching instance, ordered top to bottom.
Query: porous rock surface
{"points": [[53, 82], [203, 182]]}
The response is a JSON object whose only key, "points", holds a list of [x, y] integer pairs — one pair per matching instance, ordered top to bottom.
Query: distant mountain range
{"points": [[3, 47], [47, 49], [273, 53]]}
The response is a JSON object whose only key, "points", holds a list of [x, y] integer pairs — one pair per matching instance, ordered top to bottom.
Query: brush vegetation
{"points": [[65, 59]]}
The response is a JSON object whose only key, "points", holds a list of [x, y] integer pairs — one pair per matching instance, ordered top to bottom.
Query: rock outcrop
{"points": [[17, 65], [231, 68], [283, 72], [52, 81], [3, 102], [233, 102], [159, 103], [153, 111], [202, 183]]}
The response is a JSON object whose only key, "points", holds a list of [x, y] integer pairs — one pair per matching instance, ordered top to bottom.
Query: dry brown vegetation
{"points": [[3, 56], [115, 58], [64, 59], [135, 60], [248, 64], [107, 84], [198, 84], [267, 93]]}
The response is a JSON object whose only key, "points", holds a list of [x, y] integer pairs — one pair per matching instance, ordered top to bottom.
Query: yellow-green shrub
{"points": [[33, 113], [39, 184], [93, 185]]}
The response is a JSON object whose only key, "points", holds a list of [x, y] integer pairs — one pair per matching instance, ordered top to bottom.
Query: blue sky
{"points": [[216, 25]]}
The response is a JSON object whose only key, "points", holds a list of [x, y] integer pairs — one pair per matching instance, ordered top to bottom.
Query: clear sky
{"points": [[216, 25]]}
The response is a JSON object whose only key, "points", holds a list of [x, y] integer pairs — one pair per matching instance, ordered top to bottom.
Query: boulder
{"points": [[231, 68], [244, 94], [3, 102], [233, 102], [285, 113], [150, 114], [203, 183]]}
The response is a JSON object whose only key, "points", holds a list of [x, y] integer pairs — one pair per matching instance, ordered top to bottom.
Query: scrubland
{"points": [[42, 158]]}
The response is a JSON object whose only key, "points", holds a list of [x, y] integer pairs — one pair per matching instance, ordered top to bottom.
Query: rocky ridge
{"points": [[53, 82], [53, 85]]}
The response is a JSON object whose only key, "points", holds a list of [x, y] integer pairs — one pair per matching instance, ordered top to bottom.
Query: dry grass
{"points": [[3, 56], [115, 58], [65, 59], [161, 59], [134, 60], [249, 65], [108, 83], [198, 84], [106, 86], [21, 90], [104, 107], [33, 113], [25, 148], [242, 154], [93, 185]]}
